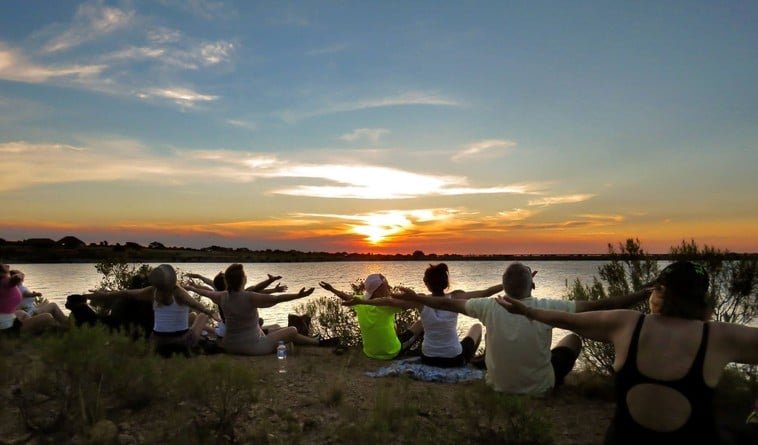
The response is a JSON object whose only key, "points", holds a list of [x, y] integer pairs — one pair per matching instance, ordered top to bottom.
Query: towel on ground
{"points": [[413, 368]]}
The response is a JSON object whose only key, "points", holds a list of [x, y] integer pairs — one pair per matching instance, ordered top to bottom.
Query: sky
{"points": [[478, 127]]}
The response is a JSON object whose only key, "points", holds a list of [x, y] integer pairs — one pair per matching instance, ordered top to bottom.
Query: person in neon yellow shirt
{"points": [[377, 323]]}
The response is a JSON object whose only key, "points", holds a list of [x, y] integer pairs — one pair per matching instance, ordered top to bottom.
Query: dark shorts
{"points": [[12, 331], [184, 339], [469, 349], [562, 359]]}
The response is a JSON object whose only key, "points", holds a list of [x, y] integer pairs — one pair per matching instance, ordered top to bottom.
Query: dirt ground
{"points": [[327, 398]]}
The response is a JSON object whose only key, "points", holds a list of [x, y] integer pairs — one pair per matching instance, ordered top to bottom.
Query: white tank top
{"points": [[171, 318], [440, 332]]}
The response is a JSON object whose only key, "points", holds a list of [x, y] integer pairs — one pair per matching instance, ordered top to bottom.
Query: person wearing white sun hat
{"points": [[377, 323]]}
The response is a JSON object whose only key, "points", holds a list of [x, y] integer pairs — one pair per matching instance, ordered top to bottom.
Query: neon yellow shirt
{"points": [[377, 325]]}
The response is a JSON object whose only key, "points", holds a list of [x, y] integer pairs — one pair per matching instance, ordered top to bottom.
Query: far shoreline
{"points": [[72, 250]]}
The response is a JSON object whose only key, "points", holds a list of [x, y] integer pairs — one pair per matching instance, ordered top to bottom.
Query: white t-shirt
{"points": [[440, 332], [517, 349]]}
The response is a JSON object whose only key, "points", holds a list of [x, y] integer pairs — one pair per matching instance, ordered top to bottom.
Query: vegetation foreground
{"points": [[87, 386]]}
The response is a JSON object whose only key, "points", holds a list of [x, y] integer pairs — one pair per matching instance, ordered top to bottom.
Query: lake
{"points": [[56, 281]]}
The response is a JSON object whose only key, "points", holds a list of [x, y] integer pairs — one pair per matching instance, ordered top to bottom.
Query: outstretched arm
{"points": [[205, 280], [263, 284], [275, 290], [146, 293], [339, 293], [182, 295], [214, 295], [463, 295], [268, 300], [387, 301], [618, 302], [445, 304], [596, 325]]}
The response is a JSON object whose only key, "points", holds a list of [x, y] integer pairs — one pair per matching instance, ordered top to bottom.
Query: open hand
{"points": [[326, 286], [280, 288], [305, 292], [513, 305]]}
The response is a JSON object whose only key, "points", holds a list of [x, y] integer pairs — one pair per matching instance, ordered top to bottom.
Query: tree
{"points": [[629, 269]]}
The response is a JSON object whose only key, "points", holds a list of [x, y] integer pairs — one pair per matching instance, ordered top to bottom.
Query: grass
{"points": [[87, 386]]}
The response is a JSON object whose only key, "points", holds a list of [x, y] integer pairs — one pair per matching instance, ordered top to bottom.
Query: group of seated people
{"points": [[667, 362]]}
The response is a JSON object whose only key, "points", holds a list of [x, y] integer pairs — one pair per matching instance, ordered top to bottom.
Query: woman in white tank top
{"points": [[171, 305]]}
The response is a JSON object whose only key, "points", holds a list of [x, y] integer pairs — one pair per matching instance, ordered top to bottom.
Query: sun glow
{"points": [[376, 228]]}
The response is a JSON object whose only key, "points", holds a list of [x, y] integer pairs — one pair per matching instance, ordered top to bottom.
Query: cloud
{"points": [[91, 21], [161, 35], [339, 47], [134, 53], [16, 67], [181, 96], [405, 99], [242, 124], [370, 134], [490, 148], [117, 159], [372, 182], [566, 199], [515, 214]]}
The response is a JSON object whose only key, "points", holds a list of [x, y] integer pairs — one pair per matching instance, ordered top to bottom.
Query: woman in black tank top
{"points": [[667, 363]]}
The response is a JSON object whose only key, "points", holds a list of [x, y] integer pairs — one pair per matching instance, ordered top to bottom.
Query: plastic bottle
{"points": [[281, 355]]}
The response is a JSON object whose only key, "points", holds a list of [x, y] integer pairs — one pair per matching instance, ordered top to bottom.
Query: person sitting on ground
{"points": [[218, 283], [171, 304], [28, 306], [80, 311], [13, 322], [377, 323], [244, 335], [440, 346], [518, 356], [667, 363]]}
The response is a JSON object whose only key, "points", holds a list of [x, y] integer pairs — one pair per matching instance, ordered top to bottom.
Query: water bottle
{"points": [[281, 355]]}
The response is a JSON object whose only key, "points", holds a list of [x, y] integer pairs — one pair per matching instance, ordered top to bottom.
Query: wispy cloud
{"points": [[91, 21], [162, 35], [333, 49], [134, 53], [15, 67], [181, 96], [405, 99], [248, 125], [364, 134], [489, 148], [372, 182], [566, 199], [515, 214]]}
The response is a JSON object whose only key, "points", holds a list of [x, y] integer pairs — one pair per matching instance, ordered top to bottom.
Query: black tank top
{"points": [[700, 426]]}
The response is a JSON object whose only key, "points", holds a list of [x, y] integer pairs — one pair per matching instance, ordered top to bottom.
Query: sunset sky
{"points": [[381, 126]]}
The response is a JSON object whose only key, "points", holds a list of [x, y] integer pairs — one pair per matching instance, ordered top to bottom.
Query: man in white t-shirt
{"points": [[518, 355]]}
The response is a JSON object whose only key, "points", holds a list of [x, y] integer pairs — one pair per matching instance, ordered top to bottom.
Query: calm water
{"points": [[55, 281]]}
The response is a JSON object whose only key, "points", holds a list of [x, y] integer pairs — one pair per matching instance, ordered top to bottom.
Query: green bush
{"points": [[629, 269], [733, 290], [76, 372], [222, 385]]}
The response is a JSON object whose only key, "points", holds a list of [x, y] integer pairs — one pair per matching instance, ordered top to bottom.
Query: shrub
{"points": [[628, 270], [222, 385], [66, 388]]}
